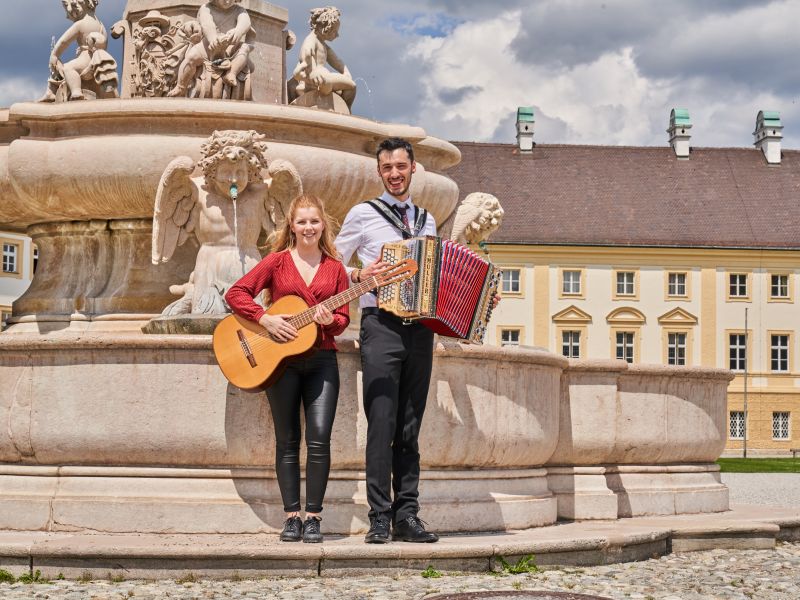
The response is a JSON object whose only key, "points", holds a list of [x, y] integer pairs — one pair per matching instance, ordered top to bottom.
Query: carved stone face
{"points": [[224, 4], [75, 9], [331, 34], [231, 171]]}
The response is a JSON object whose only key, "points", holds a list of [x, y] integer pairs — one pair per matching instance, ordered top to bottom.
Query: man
{"points": [[396, 357]]}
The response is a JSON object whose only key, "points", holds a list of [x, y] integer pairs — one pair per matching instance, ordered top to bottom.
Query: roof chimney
{"points": [[525, 122], [679, 126], [768, 135]]}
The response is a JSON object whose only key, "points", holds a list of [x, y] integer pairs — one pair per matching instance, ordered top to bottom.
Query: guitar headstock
{"points": [[399, 271]]}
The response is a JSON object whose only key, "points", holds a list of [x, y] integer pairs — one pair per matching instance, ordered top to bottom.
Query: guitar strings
{"points": [[391, 275]]}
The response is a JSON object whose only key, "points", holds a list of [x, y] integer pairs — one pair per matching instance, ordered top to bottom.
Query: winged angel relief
{"points": [[227, 207]]}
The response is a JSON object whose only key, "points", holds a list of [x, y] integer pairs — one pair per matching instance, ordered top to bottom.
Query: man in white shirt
{"points": [[396, 357]]}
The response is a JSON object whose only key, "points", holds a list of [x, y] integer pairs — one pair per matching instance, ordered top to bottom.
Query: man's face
{"points": [[395, 168]]}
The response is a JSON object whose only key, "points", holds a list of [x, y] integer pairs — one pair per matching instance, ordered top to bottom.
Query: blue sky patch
{"points": [[435, 25]]}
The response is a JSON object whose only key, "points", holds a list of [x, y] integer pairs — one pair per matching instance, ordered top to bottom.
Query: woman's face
{"points": [[307, 227]]}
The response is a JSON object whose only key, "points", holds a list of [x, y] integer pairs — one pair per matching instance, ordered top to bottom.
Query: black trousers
{"points": [[396, 362], [314, 382]]}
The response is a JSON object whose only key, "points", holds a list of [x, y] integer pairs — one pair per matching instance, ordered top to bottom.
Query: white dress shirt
{"points": [[365, 231]]}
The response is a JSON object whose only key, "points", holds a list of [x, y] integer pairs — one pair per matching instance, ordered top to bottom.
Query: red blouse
{"points": [[278, 273]]}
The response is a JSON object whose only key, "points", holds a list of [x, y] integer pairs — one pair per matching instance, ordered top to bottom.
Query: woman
{"points": [[304, 263]]}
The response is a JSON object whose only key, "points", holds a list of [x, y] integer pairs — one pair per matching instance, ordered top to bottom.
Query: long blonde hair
{"points": [[283, 238]]}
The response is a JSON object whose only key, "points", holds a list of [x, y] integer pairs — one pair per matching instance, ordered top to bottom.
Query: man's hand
{"points": [[375, 268], [495, 301]]}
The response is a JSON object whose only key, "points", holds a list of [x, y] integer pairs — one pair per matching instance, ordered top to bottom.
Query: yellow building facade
{"points": [[663, 255], [678, 306]]}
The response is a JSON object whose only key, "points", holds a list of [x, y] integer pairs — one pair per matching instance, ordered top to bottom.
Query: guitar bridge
{"points": [[246, 348]]}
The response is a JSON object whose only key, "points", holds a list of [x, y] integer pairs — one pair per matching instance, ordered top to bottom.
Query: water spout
{"points": [[234, 192]]}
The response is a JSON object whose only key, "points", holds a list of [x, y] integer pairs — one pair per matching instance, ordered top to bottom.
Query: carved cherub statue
{"points": [[224, 49], [92, 62], [311, 73], [226, 208], [478, 216]]}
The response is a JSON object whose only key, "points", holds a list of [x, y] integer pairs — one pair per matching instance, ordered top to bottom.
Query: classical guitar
{"points": [[248, 356]]}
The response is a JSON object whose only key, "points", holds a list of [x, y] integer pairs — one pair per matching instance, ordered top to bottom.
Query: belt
{"points": [[372, 310]]}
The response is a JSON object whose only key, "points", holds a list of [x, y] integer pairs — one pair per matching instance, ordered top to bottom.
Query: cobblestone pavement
{"points": [[723, 574]]}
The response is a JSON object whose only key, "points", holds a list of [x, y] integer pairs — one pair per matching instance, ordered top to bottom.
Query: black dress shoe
{"points": [[412, 529], [292, 530], [311, 531], [378, 531]]}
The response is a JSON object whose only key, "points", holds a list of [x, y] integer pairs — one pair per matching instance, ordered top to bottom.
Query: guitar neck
{"points": [[307, 316]]}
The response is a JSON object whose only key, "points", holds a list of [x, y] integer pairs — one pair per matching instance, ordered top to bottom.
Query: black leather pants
{"points": [[314, 382]]}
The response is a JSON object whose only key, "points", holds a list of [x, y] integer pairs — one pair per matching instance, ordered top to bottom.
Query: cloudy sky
{"points": [[596, 72]]}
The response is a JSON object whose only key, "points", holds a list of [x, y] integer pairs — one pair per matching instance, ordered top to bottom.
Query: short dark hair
{"points": [[395, 143]]}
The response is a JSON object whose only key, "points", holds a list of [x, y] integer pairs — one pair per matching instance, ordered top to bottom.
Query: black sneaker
{"points": [[412, 529], [292, 530], [311, 531], [378, 531]]}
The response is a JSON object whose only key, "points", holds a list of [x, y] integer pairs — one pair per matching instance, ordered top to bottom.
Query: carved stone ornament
{"points": [[158, 49], [203, 58], [93, 71], [312, 83], [226, 207], [477, 217]]}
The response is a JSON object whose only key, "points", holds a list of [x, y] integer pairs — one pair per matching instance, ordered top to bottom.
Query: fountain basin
{"points": [[81, 179], [142, 433], [639, 440]]}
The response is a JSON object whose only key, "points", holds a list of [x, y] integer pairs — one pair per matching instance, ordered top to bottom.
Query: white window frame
{"points": [[11, 258], [511, 280], [627, 281], [674, 285], [782, 285], [571, 286], [737, 286], [510, 331], [571, 343], [625, 345], [677, 350], [741, 352], [779, 353], [736, 424], [781, 425]]}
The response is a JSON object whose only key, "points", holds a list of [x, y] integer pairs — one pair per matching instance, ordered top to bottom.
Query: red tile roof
{"points": [[637, 196]]}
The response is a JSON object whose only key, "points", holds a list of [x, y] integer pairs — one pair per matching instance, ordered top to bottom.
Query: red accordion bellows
{"points": [[452, 292]]}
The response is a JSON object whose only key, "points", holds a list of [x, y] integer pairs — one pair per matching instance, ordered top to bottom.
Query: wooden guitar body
{"points": [[249, 358]]}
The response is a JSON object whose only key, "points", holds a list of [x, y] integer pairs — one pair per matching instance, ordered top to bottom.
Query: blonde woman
{"points": [[304, 263]]}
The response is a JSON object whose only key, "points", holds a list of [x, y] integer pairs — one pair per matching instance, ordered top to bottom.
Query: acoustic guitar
{"points": [[248, 356]]}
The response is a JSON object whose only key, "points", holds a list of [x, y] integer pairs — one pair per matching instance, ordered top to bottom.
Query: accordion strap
{"points": [[391, 216]]}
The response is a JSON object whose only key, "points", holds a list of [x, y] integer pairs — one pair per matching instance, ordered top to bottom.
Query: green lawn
{"points": [[759, 465]]}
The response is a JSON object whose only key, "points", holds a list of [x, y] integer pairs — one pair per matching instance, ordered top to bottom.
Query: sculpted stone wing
{"points": [[284, 186], [176, 209]]}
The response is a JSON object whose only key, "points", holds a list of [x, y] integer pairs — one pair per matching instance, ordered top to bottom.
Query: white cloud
{"points": [[20, 89], [607, 100]]}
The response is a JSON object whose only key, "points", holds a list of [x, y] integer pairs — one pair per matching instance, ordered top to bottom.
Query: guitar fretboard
{"points": [[307, 316]]}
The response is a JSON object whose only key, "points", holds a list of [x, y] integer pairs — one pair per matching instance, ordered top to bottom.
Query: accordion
{"points": [[451, 293]]}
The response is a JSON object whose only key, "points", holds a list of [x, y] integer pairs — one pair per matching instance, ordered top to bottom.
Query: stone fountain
{"points": [[108, 429]]}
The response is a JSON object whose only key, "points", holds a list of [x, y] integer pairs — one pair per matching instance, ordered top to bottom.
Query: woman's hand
{"points": [[322, 315], [278, 327]]}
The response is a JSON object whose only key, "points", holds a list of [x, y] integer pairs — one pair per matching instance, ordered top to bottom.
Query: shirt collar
{"points": [[392, 201]]}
